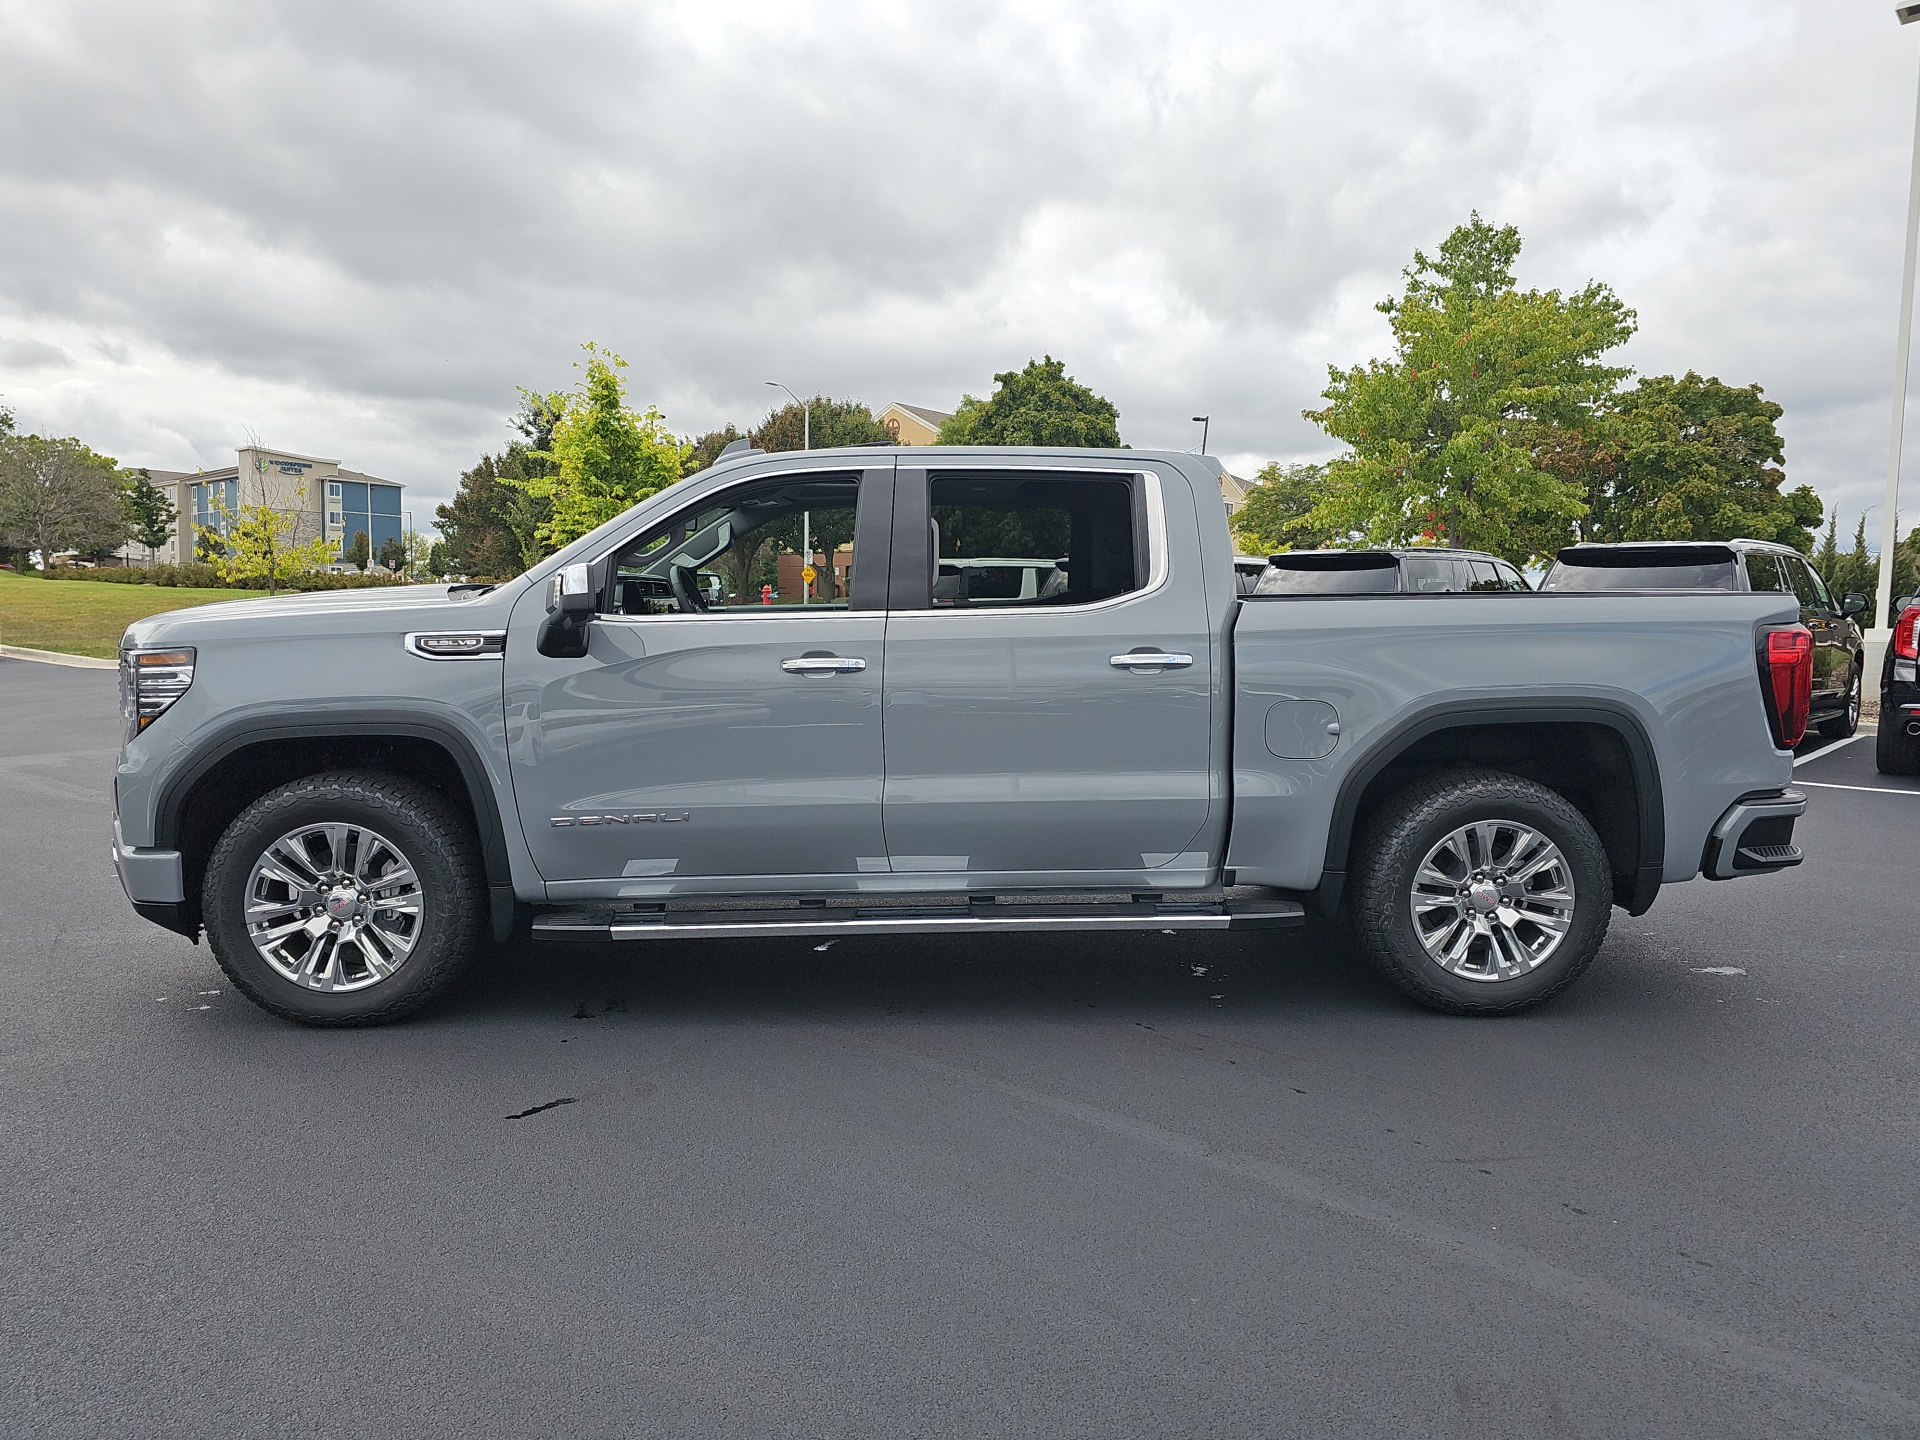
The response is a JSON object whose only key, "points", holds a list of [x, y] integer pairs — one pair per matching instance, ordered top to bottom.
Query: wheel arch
{"points": [[1574, 748], [243, 761]]}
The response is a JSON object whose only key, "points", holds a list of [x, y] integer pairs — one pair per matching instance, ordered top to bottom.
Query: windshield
{"points": [[1677, 567]]}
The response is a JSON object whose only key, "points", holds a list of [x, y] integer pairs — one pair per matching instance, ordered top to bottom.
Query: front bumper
{"points": [[1755, 836], [155, 881]]}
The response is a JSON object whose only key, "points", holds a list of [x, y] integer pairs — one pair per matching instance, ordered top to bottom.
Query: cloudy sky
{"points": [[353, 228]]}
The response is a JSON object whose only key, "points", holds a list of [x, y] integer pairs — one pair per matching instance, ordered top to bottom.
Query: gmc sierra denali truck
{"points": [[939, 691]]}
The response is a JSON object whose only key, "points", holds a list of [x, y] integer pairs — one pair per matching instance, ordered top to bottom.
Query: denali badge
{"points": [[647, 817]]}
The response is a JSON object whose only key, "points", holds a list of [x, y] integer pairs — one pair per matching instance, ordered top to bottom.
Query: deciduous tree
{"points": [[1040, 405], [831, 422], [1447, 434], [606, 456], [1695, 459], [57, 495], [1278, 511], [259, 543]]}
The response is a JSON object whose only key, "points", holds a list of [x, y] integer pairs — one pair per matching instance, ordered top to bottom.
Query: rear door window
{"points": [[1012, 541], [1429, 574], [1763, 574], [1484, 575], [1510, 578], [1804, 583]]}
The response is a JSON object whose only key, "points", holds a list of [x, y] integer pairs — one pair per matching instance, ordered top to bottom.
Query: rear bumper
{"points": [[1755, 836]]}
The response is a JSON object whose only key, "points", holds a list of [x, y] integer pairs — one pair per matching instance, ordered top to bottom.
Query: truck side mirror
{"points": [[570, 604], [1854, 604]]}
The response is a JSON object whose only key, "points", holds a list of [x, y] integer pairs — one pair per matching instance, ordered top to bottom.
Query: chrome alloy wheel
{"points": [[1492, 900], [334, 907]]}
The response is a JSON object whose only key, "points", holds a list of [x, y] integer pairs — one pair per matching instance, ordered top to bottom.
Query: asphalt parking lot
{"points": [[1156, 1186]]}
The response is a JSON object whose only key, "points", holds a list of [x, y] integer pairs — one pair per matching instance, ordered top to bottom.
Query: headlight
{"points": [[150, 681]]}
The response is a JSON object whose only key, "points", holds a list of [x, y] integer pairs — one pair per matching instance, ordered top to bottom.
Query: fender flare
{"points": [[1518, 710], [240, 735]]}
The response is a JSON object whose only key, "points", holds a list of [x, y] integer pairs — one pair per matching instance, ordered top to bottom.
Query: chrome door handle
{"points": [[1158, 659], [822, 664]]}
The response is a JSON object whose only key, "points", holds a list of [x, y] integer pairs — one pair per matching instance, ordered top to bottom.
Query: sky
{"points": [[352, 229]]}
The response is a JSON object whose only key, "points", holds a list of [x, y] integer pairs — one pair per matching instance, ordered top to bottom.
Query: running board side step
{"points": [[957, 918]]}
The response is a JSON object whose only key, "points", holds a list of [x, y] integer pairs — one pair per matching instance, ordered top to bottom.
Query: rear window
{"points": [[1670, 567], [1312, 573]]}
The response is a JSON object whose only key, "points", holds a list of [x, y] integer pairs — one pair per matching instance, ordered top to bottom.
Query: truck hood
{"points": [[387, 609]]}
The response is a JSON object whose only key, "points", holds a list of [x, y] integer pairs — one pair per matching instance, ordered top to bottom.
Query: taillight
{"points": [[1906, 635], [1786, 679], [150, 682]]}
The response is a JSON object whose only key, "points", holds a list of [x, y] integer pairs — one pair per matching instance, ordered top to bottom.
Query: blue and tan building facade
{"points": [[324, 499]]}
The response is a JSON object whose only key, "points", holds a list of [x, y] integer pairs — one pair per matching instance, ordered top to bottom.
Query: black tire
{"points": [[1843, 725], [1894, 751], [427, 832], [1397, 840]]}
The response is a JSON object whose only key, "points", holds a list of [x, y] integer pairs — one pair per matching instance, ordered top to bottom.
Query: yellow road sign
{"points": [[809, 574]]}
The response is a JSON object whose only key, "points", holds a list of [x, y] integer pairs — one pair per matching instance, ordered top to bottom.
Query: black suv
{"points": [[1424, 571], [1838, 645], [1896, 749]]}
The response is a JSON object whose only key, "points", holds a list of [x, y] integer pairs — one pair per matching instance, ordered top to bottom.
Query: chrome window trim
{"points": [[1157, 555], [1157, 563], [496, 647]]}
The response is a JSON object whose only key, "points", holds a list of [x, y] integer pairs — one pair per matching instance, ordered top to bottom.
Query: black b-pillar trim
{"points": [[872, 540], [910, 574]]}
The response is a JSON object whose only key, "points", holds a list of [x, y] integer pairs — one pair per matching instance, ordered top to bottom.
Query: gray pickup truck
{"points": [[939, 691]]}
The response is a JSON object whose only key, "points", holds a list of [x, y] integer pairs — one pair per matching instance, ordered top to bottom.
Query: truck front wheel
{"points": [[1480, 893], [344, 899]]}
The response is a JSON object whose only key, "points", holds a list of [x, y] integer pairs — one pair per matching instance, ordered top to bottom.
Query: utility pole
{"points": [[1882, 631]]}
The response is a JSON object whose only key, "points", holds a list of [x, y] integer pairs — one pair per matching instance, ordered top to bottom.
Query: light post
{"points": [[806, 416], [1205, 422], [806, 529], [1882, 631]]}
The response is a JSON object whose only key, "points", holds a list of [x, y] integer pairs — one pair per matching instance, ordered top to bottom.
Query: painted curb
{"points": [[54, 657]]}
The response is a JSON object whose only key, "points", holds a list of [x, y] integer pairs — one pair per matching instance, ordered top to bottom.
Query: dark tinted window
{"points": [[1003, 540], [1667, 567], [1312, 573], [1763, 574], [1483, 575], [1511, 577], [1801, 580]]}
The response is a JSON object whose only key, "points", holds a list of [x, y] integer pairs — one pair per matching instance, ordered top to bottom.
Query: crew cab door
{"points": [[725, 721], [1018, 751]]}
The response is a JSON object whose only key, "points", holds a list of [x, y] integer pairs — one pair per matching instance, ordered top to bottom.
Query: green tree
{"points": [[1040, 405], [831, 422], [1448, 435], [706, 448], [606, 456], [1698, 460], [58, 495], [1278, 511], [150, 515], [260, 543], [357, 552], [393, 554], [439, 560]]}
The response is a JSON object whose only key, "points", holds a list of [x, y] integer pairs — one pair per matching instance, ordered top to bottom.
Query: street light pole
{"points": [[806, 416], [1205, 422], [1882, 631]]}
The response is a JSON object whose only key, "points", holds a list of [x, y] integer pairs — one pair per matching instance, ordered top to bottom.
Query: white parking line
{"points": [[1825, 750], [1870, 789]]}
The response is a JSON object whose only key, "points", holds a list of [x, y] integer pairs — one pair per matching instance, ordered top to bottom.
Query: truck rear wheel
{"points": [[1479, 893], [344, 899]]}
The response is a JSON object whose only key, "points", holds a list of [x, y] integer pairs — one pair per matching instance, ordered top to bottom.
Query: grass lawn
{"points": [[86, 617]]}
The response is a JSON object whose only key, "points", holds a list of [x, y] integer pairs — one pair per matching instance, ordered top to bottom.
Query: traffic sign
{"points": [[809, 574]]}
